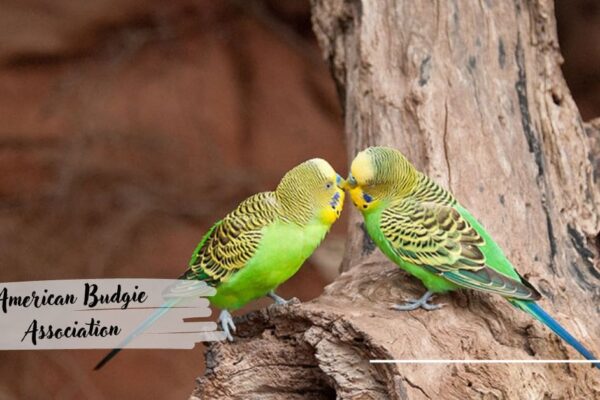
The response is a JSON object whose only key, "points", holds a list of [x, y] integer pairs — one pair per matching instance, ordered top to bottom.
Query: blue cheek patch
{"points": [[367, 198], [334, 200]]}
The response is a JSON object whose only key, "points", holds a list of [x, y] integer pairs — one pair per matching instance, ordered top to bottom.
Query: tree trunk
{"points": [[472, 93]]}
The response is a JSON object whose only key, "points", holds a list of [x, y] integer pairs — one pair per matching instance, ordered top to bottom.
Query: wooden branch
{"points": [[473, 94]]}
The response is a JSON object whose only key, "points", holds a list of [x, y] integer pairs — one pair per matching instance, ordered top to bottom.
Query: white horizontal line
{"points": [[483, 361]]}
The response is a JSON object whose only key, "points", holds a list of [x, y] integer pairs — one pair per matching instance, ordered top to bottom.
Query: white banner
{"points": [[102, 313]]}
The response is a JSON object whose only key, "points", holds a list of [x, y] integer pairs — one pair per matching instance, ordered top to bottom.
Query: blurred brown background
{"points": [[128, 127]]}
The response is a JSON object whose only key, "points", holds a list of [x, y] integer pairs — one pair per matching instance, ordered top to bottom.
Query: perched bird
{"points": [[426, 232], [263, 242]]}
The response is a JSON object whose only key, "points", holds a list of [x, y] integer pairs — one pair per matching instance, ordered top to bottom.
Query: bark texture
{"points": [[473, 94]]}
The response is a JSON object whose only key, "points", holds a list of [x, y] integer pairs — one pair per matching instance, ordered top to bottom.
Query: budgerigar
{"points": [[426, 232], [263, 242]]}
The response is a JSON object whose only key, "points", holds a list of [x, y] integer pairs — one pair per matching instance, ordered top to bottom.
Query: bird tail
{"points": [[159, 312], [538, 312]]}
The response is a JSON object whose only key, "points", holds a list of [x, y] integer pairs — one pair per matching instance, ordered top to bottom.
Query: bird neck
{"points": [[427, 190], [294, 210]]}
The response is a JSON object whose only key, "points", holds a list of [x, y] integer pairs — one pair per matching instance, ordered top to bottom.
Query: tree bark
{"points": [[472, 93]]}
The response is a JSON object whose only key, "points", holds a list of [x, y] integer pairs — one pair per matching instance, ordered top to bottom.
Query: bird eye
{"points": [[328, 185]]}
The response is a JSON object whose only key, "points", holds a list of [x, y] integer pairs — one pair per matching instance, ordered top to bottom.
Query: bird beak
{"points": [[340, 182], [350, 183]]}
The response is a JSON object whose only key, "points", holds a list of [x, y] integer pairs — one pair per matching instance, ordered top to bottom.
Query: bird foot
{"points": [[278, 299], [422, 302], [227, 324]]}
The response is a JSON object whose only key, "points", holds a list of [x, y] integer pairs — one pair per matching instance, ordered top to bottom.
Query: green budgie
{"points": [[426, 232], [263, 242]]}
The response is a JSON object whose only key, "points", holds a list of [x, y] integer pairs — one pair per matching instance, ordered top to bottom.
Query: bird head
{"points": [[379, 174], [312, 189]]}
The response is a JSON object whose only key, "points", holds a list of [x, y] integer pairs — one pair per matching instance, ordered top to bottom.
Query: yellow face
{"points": [[359, 182], [331, 195]]}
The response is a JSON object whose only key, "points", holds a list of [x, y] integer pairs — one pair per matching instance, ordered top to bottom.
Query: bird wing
{"points": [[441, 240], [231, 242]]}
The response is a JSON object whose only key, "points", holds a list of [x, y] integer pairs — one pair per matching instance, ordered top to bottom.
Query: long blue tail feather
{"points": [[159, 312], [538, 312]]}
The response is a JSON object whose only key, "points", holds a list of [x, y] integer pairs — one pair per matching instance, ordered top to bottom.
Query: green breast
{"points": [[283, 249]]}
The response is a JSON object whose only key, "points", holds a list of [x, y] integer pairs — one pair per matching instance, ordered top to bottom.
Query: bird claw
{"points": [[278, 299], [413, 300], [422, 302], [430, 307], [227, 324]]}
